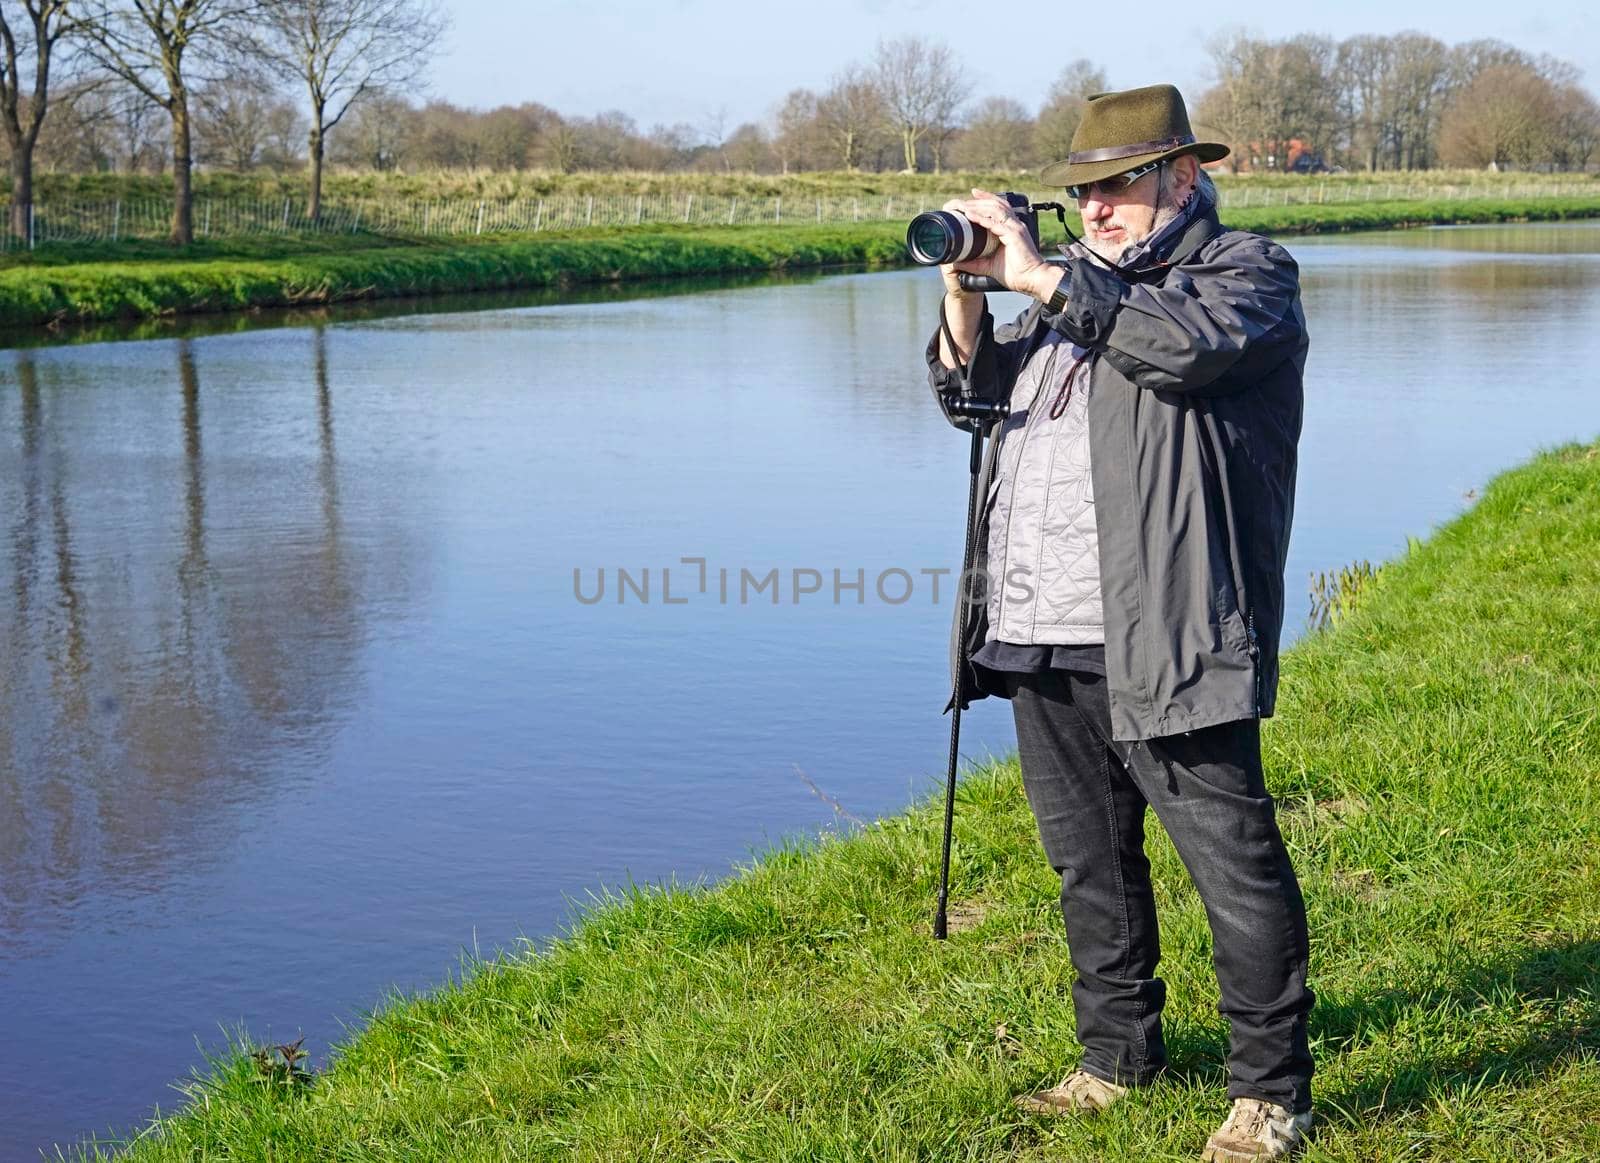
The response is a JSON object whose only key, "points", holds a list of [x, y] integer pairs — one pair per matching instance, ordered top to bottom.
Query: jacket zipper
{"points": [[1255, 655]]}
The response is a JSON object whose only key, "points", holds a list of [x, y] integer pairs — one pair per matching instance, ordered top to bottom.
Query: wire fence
{"points": [[69, 221]]}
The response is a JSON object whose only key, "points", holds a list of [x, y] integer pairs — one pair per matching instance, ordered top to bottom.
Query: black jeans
{"points": [[1089, 793]]}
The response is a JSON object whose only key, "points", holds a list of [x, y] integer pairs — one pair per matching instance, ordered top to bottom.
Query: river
{"points": [[305, 696]]}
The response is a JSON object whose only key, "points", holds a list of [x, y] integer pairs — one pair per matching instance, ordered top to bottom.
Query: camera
{"points": [[946, 236]]}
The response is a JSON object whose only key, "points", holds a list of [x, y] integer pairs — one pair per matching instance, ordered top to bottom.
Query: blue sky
{"points": [[684, 60]]}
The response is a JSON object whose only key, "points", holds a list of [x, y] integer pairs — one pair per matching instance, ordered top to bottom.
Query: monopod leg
{"points": [[941, 927]]}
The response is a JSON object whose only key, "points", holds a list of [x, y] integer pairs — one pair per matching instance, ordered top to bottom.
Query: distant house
{"points": [[1299, 158]]}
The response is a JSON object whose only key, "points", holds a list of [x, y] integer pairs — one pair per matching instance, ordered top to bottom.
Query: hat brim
{"points": [[1083, 173]]}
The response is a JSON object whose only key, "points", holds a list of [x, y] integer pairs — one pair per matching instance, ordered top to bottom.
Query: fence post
{"points": [[688, 206], [733, 208], [819, 209], [855, 209], [638, 210], [888, 210], [777, 213], [538, 215], [480, 219], [116, 220], [356, 225]]}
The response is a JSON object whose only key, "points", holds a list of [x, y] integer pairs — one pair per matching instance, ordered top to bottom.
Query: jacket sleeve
{"points": [[1208, 329], [993, 372]]}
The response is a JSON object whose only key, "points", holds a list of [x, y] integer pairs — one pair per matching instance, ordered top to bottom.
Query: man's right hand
{"points": [[1016, 262]]}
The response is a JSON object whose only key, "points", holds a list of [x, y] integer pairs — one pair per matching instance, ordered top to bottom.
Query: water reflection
{"points": [[271, 318], [150, 677]]}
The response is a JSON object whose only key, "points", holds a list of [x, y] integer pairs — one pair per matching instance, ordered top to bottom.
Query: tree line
{"points": [[117, 67], [146, 85], [1404, 102], [1369, 103]]}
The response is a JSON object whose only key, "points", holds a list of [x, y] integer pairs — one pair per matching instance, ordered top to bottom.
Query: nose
{"points": [[1093, 209]]}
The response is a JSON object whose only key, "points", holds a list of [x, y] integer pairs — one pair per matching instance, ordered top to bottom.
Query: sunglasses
{"points": [[1113, 185]]}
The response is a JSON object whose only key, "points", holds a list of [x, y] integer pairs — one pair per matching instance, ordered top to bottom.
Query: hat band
{"points": [[1117, 152]]}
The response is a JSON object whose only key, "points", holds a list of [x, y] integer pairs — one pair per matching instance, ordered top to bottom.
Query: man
{"points": [[1135, 531]]}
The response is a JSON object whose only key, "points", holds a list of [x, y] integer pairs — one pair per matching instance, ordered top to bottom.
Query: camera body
{"points": [[946, 236]]}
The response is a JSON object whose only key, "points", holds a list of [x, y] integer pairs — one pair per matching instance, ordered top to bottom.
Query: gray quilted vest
{"points": [[1044, 560]]}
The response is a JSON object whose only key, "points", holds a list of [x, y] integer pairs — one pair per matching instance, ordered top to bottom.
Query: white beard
{"points": [[1166, 211], [1111, 252]]}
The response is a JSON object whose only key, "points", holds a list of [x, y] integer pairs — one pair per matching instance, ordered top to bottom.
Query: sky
{"points": [[690, 61]]}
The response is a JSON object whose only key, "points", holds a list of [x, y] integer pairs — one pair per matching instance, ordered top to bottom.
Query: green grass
{"points": [[103, 282], [105, 288], [1437, 763]]}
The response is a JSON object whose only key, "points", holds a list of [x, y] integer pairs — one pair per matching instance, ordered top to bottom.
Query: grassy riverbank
{"points": [[130, 280], [1437, 759]]}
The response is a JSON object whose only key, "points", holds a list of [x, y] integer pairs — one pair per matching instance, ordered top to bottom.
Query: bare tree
{"points": [[33, 32], [147, 43], [343, 50], [1366, 64], [922, 85], [1420, 86], [1273, 98], [1063, 108], [848, 116], [1506, 117], [234, 121], [1577, 127], [794, 130], [509, 133], [378, 135], [715, 136], [999, 136], [77, 137], [559, 147], [747, 149]]}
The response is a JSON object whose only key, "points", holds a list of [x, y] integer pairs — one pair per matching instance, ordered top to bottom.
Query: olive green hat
{"points": [[1122, 131]]}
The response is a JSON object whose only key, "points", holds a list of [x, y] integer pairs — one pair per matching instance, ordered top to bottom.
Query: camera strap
{"points": [[963, 368]]}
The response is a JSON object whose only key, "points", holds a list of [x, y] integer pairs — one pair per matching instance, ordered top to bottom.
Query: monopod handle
{"points": [[980, 283], [975, 409]]}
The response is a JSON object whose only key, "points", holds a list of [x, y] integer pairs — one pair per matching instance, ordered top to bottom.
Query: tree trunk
{"points": [[910, 141], [182, 172], [21, 189], [314, 197]]}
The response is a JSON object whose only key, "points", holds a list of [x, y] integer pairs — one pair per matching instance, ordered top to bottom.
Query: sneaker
{"points": [[1079, 1092], [1257, 1131]]}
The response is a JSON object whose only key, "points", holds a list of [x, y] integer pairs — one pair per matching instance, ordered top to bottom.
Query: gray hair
{"points": [[1170, 203]]}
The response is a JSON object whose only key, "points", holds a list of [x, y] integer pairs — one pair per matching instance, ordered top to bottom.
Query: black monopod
{"points": [[940, 237], [985, 415]]}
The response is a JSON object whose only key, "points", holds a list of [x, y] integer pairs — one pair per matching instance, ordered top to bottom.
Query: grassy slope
{"points": [[135, 280], [1437, 758]]}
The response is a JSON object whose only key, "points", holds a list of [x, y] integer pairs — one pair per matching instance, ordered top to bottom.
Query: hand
{"points": [[1016, 262]]}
